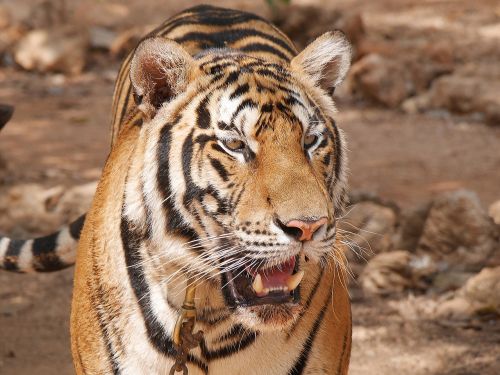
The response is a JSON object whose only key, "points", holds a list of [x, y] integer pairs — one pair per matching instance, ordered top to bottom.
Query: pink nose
{"points": [[306, 229]]}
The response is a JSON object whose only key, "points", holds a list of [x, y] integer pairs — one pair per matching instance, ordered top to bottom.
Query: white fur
{"points": [[331, 47], [4, 244], [66, 245], [25, 260]]}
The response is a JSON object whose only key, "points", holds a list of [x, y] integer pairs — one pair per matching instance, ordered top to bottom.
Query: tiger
{"points": [[227, 169]]}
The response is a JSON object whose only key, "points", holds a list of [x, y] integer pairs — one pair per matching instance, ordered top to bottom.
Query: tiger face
{"points": [[245, 168]]}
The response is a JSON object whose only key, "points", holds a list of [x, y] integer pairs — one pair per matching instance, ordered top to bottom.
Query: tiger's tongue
{"points": [[278, 278]]}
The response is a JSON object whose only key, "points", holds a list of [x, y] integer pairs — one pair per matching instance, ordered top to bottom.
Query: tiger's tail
{"points": [[44, 254]]}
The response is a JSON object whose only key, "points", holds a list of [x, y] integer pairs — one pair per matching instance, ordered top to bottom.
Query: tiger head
{"points": [[239, 174]]}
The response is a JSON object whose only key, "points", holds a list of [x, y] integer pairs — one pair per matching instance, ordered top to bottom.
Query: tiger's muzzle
{"points": [[251, 286]]}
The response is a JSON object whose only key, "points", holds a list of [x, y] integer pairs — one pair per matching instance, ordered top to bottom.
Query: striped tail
{"points": [[44, 254]]}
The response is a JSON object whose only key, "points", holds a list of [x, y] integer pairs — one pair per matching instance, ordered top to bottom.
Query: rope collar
{"points": [[184, 338]]}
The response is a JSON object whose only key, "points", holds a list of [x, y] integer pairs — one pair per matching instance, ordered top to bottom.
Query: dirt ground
{"points": [[60, 135]]}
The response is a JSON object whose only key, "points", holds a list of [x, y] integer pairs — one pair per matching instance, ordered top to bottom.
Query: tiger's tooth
{"points": [[294, 280], [257, 284]]}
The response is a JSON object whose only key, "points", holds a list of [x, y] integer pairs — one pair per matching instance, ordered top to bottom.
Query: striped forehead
{"points": [[241, 113]]}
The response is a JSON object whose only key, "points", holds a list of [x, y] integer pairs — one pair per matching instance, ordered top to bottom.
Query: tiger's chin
{"points": [[265, 298], [268, 317]]}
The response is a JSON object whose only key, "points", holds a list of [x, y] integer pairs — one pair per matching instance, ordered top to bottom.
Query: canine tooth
{"points": [[294, 280], [257, 284]]}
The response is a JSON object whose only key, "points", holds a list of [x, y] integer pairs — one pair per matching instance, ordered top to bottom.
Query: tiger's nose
{"points": [[303, 230]]}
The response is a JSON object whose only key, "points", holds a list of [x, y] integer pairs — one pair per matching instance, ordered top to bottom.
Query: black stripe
{"points": [[211, 16], [222, 38], [261, 47], [214, 61], [274, 75], [231, 78], [242, 89], [128, 94], [247, 103], [267, 107], [203, 114], [202, 139], [323, 143], [338, 151], [221, 170], [193, 192], [236, 202], [223, 205], [175, 222], [75, 228], [12, 255], [45, 258], [98, 300], [308, 302], [206, 316], [235, 331], [158, 337], [228, 350], [341, 358], [301, 362]]}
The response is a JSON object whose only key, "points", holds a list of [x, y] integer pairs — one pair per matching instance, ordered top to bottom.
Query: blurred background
{"points": [[421, 111]]}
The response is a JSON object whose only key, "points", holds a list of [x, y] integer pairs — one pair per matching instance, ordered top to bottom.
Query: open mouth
{"points": [[268, 285]]}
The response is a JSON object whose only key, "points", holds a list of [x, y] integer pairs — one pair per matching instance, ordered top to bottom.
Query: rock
{"points": [[107, 14], [5, 17], [295, 21], [353, 26], [9, 37], [101, 38], [127, 41], [61, 50], [380, 79], [463, 92], [4, 169], [75, 201], [23, 209], [33, 209], [494, 212], [411, 227], [368, 228], [457, 233], [387, 273], [450, 280], [483, 290], [479, 295], [413, 308], [455, 308]]}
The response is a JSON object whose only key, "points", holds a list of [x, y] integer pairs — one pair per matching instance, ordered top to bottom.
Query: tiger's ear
{"points": [[325, 61], [159, 71]]}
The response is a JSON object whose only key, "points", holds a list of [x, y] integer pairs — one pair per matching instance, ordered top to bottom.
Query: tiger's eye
{"points": [[310, 140], [235, 145]]}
